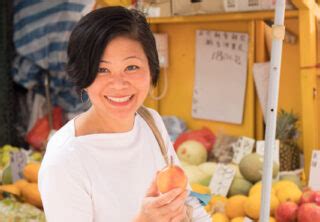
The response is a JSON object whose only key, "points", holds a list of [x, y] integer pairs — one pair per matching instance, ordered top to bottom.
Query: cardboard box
{"points": [[251, 5], [186, 7], [157, 8]]}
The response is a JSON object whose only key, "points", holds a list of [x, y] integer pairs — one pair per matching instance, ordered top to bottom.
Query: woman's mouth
{"points": [[119, 100]]}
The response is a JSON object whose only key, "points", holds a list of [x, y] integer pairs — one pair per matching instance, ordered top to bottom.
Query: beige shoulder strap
{"points": [[146, 115]]}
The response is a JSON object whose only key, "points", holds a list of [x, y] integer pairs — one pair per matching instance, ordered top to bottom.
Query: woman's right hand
{"points": [[167, 207]]}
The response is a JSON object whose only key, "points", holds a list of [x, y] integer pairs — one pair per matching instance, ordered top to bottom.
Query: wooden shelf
{"points": [[239, 16]]}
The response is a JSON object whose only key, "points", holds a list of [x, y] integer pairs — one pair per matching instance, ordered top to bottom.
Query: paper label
{"points": [[241, 148], [260, 149], [17, 162], [314, 177], [222, 178], [246, 219]]}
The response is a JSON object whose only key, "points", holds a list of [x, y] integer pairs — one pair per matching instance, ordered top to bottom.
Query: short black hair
{"points": [[95, 30]]}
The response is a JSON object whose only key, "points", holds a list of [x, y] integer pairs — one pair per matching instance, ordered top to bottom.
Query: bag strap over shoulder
{"points": [[147, 116]]}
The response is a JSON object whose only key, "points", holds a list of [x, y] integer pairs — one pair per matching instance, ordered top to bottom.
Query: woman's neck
{"points": [[93, 122]]}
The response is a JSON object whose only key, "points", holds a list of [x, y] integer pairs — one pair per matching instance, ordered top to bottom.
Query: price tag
{"points": [[241, 148], [260, 149], [17, 162], [222, 178], [314, 178], [246, 219]]}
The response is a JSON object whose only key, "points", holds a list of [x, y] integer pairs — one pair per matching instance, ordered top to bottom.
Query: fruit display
{"points": [[20, 200], [289, 202], [283, 207], [306, 209], [13, 210]]}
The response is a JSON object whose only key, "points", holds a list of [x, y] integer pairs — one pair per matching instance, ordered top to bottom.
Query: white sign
{"points": [[220, 76], [241, 148], [260, 150], [17, 162], [314, 177], [222, 178], [246, 219]]}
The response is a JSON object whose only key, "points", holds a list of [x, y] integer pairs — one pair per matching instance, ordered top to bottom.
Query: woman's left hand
{"points": [[180, 215]]}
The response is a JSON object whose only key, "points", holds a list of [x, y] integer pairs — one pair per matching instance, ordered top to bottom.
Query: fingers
{"points": [[167, 197], [173, 206], [180, 215]]}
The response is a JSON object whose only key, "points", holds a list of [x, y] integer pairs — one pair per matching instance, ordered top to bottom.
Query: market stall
{"points": [[215, 63]]}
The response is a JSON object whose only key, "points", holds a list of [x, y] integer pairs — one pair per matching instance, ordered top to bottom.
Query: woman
{"points": [[101, 165]]}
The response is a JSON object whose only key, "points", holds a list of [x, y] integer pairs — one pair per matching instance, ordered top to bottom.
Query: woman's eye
{"points": [[132, 68], [102, 70]]}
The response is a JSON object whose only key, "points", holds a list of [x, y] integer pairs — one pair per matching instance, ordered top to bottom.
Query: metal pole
{"points": [[272, 106]]}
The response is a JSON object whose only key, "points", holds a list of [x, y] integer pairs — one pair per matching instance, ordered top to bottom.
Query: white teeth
{"points": [[119, 100]]}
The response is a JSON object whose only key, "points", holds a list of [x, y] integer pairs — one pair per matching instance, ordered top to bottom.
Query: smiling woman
{"points": [[122, 84], [101, 165]]}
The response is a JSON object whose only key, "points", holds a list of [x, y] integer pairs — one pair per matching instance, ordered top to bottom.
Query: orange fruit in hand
{"points": [[172, 176]]}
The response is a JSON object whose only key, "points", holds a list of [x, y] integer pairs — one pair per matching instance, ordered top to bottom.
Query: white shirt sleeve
{"points": [[63, 194], [198, 214]]}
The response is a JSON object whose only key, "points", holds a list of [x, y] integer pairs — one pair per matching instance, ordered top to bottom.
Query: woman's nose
{"points": [[119, 81]]}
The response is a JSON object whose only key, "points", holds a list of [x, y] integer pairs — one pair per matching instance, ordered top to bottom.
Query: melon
{"points": [[192, 152], [208, 167], [251, 167], [194, 174], [239, 186]]}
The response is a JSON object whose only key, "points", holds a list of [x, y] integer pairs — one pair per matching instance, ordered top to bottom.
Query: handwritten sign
{"points": [[220, 75], [241, 148], [260, 149], [17, 162], [222, 178], [314, 178]]}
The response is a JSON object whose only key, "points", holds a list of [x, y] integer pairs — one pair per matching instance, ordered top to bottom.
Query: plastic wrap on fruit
{"points": [[174, 125], [204, 136]]}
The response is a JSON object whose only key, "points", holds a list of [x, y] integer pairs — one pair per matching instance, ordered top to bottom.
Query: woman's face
{"points": [[123, 79]]}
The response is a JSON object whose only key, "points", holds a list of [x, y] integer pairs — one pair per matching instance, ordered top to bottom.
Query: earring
{"points": [[81, 95]]}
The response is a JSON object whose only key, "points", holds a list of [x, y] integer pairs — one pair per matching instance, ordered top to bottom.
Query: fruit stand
{"points": [[299, 76], [299, 79], [206, 148]]}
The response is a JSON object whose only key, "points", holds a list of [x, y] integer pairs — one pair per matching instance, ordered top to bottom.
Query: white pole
{"points": [[272, 106]]}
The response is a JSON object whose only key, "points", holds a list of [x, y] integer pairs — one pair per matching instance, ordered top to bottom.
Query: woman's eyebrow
{"points": [[129, 57], [132, 57], [104, 61]]}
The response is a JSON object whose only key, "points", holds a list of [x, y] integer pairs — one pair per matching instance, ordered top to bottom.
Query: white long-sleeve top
{"points": [[103, 177]]}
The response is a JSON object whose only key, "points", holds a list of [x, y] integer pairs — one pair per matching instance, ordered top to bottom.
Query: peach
{"points": [[172, 176]]}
